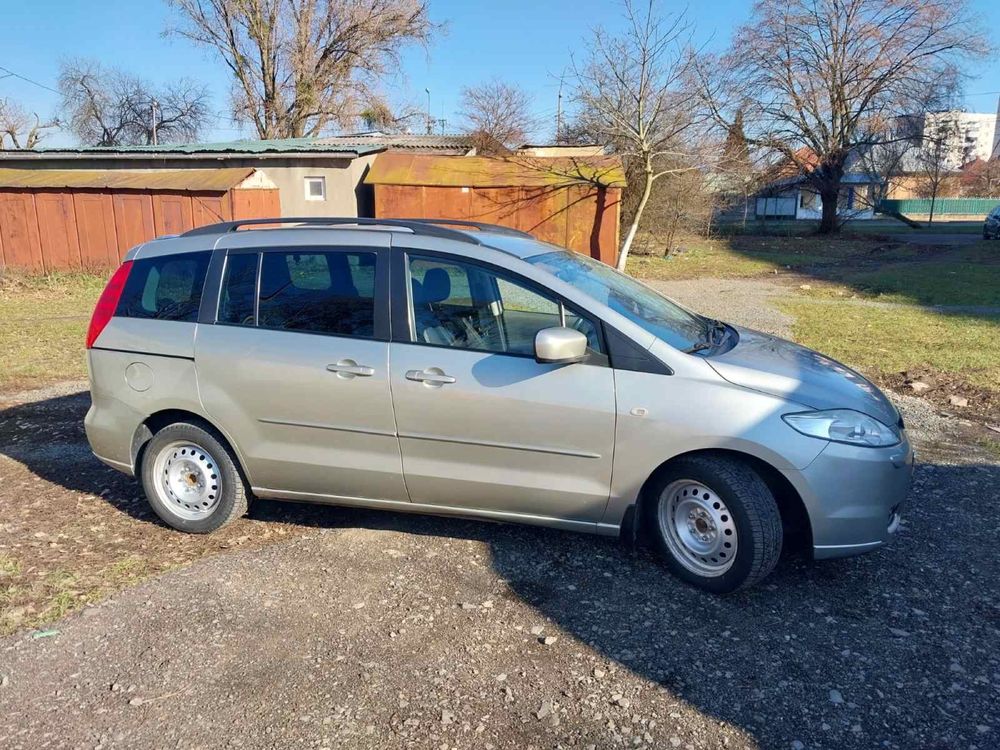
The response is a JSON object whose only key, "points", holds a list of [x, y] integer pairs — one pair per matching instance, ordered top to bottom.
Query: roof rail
{"points": [[481, 226], [430, 227]]}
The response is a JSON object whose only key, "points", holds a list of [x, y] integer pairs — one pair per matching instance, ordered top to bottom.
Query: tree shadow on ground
{"points": [[894, 649]]}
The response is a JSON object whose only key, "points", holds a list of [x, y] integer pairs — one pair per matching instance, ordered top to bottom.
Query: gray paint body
{"points": [[568, 446]]}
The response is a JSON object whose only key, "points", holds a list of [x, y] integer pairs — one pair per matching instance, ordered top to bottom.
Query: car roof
{"points": [[509, 241]]}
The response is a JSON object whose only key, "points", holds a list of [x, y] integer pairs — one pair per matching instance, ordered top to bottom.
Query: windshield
{"points": [[655, 313]]}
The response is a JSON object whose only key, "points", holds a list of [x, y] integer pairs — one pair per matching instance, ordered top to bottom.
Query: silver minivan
{"points": [[465, 369]]}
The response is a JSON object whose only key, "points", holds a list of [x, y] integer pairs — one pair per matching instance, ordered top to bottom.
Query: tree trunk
{"points": [[828, 222], [634, 227]]}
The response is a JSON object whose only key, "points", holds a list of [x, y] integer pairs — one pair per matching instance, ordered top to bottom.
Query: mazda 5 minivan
{"points": [[451, 368]]}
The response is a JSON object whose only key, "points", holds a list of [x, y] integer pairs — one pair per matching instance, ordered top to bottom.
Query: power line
{"points": [[10, 72]]}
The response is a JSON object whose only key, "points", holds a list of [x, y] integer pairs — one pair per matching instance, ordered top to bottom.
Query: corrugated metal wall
{"points": [[942, 206], [580, 217], [75, 229]]}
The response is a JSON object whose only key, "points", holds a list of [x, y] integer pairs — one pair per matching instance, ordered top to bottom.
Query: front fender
{"points": [[661, 417]]}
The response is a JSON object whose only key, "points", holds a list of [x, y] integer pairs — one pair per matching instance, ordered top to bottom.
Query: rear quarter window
{"points": [[167, 287]]}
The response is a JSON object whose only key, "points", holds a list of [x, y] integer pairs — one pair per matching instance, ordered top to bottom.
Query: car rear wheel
{"points": [[191, 479], [715, 523]]}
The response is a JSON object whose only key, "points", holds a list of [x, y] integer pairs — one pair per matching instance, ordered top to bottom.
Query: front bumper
{"points": [[854, 496]]}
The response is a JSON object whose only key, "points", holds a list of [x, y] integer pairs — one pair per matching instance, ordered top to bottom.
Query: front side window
{"points": [[167, 287], [318, 292], [466, 306]]}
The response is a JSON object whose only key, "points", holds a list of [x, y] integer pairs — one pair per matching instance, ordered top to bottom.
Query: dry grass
{"points": [[45, 324]]}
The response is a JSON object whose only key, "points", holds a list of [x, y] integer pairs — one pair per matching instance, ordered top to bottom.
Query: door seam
{"points": [[395, 424]]}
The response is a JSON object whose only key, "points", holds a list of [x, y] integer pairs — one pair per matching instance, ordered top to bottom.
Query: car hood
{"points": [[772, 365]]}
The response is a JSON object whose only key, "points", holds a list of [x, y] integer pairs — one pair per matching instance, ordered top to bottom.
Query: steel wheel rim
{"points": [[186, 480], [698, 528]]}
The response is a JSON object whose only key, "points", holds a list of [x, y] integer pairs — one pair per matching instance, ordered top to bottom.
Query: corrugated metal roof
{"points": [[453, 143], [229, 148], [476, 171], [207, 180]]}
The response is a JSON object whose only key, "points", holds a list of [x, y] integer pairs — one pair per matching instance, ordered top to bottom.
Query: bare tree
{"points": [[302, 66], [820, 79], [633, 93], [108, 107], [497, 115], [22, 129], [888, 159], [934, 159], [737, 175], [981, 178]]}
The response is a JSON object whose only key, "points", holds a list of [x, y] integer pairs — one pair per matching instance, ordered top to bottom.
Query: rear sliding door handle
{"points": [[348, 368], [431, 376]]}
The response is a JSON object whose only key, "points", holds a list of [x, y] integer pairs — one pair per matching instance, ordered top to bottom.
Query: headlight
{"points": [[843, 426]]}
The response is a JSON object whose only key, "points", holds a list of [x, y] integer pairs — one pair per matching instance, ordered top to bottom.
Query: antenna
{"points": [[559, 108], [430, 122]]}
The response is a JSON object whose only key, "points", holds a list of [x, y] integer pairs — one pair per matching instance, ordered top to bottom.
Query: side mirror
{"points": [[560, 346]]}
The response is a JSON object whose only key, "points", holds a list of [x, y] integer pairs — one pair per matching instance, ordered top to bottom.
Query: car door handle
{"points": [[348, 368], [431, 376]]}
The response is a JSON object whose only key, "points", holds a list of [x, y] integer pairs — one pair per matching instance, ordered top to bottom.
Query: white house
{"points": [[794, 198]]}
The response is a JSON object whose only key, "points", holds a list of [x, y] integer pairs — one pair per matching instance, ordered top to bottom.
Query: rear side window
{"points": [[165, 288], [239, 290], [318, 292]]}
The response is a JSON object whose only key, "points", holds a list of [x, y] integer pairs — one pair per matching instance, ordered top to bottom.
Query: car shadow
{"points": [[880, 650]]}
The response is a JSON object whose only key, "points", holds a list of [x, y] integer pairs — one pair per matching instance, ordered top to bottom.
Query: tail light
{"points": [[108, 302]]}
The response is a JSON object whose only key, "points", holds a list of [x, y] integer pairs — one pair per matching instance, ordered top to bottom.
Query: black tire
{"points": [[230, 500], [754, 513]]}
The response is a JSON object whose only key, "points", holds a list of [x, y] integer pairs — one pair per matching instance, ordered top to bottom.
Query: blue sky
{"points": [[519, 40]]}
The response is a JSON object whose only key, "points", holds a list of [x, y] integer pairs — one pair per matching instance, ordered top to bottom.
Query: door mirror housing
{"points": [[560, 346]]}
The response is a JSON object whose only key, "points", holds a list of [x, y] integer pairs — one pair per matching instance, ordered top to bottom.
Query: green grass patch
{"points": [[878, 227], [754, 256], [968, 275], [931, 284], [45, 324], [887, 341], [991, 445], [9, 566]]}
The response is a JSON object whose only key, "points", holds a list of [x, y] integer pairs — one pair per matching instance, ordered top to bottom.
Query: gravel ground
{"points": [[745, 302], [373, 630], [387, 630]]}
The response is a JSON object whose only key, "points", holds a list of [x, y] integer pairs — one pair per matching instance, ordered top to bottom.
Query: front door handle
{"points": [[348, 368], [430, 376]]}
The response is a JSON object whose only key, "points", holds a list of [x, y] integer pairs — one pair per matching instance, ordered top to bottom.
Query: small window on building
{"points": [[315, 188]]}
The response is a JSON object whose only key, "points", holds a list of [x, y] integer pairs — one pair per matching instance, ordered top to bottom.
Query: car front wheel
{"points": [[191, 479], [715, 523]]}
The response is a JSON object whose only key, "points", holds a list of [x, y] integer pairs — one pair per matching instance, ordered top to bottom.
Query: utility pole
{"points": [[152, 112], [430, 122]]}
